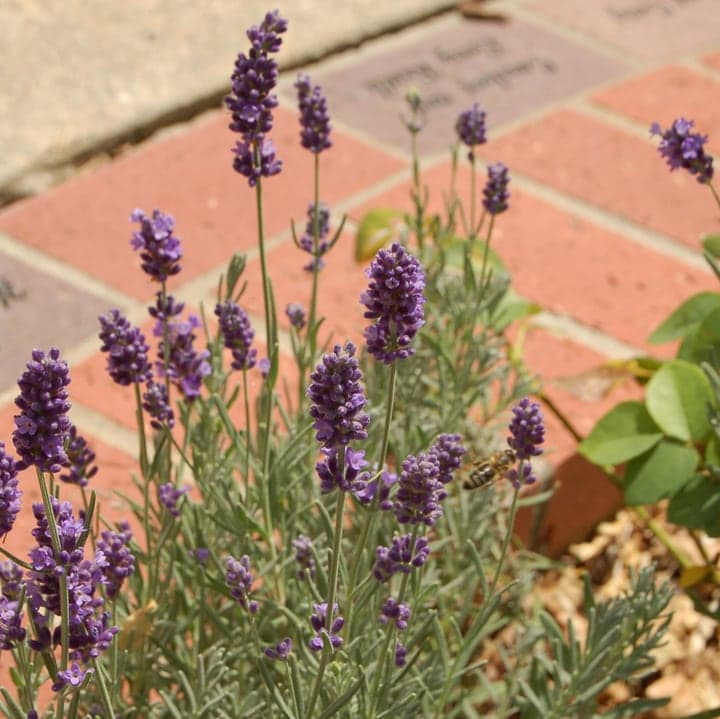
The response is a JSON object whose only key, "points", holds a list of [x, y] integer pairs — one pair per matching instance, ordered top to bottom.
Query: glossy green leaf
{"points": [[376, 229], [711, 245], [454, 249], [513, 307], [690, 314], [703, 343], [677, 398], [626, 431], [659, 473], [697, 505]]}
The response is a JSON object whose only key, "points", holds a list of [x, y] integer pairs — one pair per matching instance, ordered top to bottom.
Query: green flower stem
{"points": [[714, 192], [417, 193], [473, 199], [486, 252], [263, 260], [312, 316], [248, 445], [144, 469], [372, 511], [508, 535], [14, 559], [332, 582], [22, 661], [295, 685], [102, 686]]}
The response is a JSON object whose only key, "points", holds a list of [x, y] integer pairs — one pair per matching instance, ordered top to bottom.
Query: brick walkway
{"points": [[598, 232]]}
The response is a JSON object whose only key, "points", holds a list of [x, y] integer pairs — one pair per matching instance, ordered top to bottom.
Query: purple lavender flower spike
{"points": [[314, 118], [470, 127], [683, 148], [247, 164], [495, 192], [307, 242], [159, 249], [394, 300], [165, 309], [297, 316], [237, 334], [126, 347], [264, 367], [338, 399], [156, 403], [42, 426], [527, 434], [449, 452], [79, 468], [354, 478], [420, 491], [9, 495], [169, 496], [115, 546], [304, 557], [399, 557], [11, 580], [239, 580], [395, 612], [319, 619], [11, 630], [280, 651], [400, 655], [74, 677]]}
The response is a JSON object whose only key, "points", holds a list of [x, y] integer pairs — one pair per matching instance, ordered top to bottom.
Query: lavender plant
{"points": [[314, 558]]}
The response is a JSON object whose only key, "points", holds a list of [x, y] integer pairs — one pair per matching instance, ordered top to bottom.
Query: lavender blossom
{"points": [[251, 101], [314, 118], [470, 127], [683, 148], [495, 192], [307, 241], [159, 249], [394, 300], [165, 308], [296, 314], [237, 334], [126, 347], [186, 367], [264, 367], [338, 398], [156, 403], [42, 426], [527, 434], [449, 452], [79, 467], [353, 476], [420, 491], [9, 493], [169, 496], [115, 546], [304, 557], [400, 557], [11, 580], [239, 580], [395, 612], [319, 620], [11, 630], [280, 651], [400, 655], [74, 677]]}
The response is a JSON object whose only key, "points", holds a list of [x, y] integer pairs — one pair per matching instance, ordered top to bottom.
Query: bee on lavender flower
{"points": [[488, 470]]}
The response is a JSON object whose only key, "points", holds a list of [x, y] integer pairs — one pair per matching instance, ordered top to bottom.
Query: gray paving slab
{"points": [[511, 69], [77, 75]]}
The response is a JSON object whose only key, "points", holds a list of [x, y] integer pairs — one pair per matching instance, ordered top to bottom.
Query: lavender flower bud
{"points": [[314, 118], [470, 127], [683, 148], [247, 164], [495, 193], [307, 241], [159, 249], [394, 300], [165, 308], [296, 314], [237, 334], [127, 349], [264, 367], [338, 398], [157, 405], [42, 426], [527, 434], [449, 452], [80, 458], [329, 471], [420, 491], [9, 495], [169, 496], [115, 546], [304, 556], [399, 557], [11, 580], [239, 581], [395, 612], [319, 620], [11, 631], [280, 651], [400, 655], [74, 677]]}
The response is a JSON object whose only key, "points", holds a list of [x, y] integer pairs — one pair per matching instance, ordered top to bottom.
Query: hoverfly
{"points": [[491, 468]]}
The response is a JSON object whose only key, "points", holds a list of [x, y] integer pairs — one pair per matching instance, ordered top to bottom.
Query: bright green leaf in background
{"points": [[376, 229], [711, 245], [686, 317], [703, 343], [677, 398], [626, 431], [659, 473], [697, 505]]}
